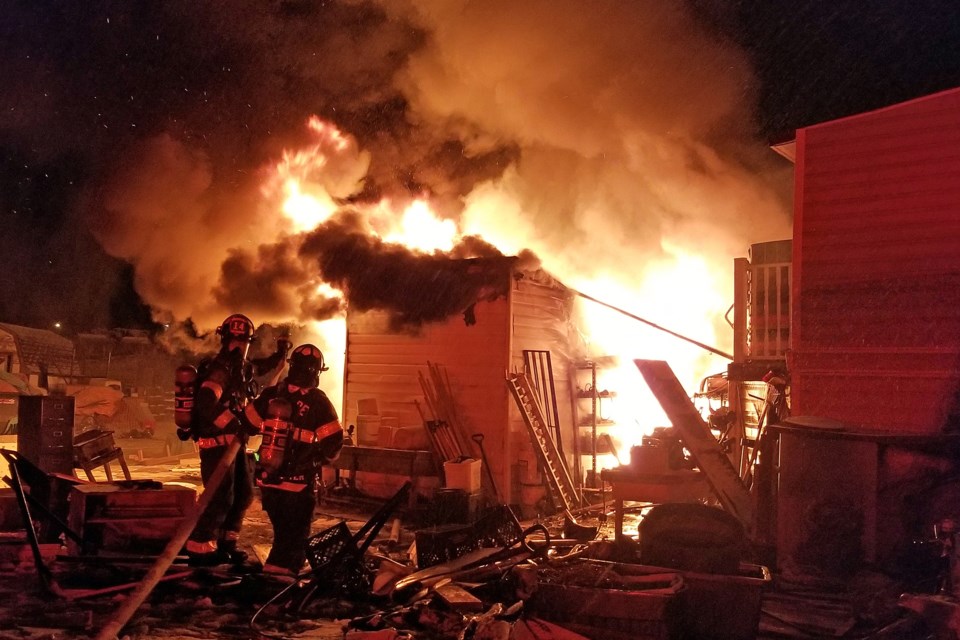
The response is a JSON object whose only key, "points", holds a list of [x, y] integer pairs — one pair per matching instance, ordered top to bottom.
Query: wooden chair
{"points": [[94, 449]]}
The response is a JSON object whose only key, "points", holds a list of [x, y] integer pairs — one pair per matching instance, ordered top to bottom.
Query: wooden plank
{"points": [[696, 435], [261, 551], [458, 598]]}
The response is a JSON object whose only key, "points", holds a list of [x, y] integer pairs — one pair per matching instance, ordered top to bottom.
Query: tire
{"points": [[692, 537]]}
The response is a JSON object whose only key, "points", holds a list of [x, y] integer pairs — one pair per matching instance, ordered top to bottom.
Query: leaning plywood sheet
{"points": [[703, 447]]}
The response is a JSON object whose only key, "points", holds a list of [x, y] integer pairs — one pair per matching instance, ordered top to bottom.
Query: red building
{"points": [[875, 335]]}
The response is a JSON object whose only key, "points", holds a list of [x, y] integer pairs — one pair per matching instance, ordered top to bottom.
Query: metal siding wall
{"points": [[877, 258], [540, 321], [384, 366]]}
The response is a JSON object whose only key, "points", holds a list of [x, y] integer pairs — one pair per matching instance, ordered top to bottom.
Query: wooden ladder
{"points": [[553, 465]]}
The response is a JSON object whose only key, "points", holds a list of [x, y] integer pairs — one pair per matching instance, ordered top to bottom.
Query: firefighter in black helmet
{"points": [[223, 390], [300, 433]]}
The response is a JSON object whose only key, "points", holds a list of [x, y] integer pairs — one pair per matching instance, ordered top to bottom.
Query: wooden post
{"points": [[112, 629]]}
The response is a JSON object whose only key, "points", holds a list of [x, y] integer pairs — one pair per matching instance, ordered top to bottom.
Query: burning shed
{"points": [[501, 310]]}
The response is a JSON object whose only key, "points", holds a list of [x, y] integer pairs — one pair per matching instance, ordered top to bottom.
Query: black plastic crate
{"points": [[497, 527], [336, 562]]}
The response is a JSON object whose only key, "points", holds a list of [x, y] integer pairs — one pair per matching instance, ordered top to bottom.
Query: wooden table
{"points": [[400, 462], [674, 486]]}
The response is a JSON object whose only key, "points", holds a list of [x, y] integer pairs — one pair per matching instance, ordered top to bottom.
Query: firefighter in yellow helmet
{"points": [[223, 389], [300, 433]]}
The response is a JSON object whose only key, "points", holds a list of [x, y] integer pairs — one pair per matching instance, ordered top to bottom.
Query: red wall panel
{"points": [[876, 325]]}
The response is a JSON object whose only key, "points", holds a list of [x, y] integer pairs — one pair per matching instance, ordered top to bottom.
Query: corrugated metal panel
{"points": [[877, 258], [385, 366]]}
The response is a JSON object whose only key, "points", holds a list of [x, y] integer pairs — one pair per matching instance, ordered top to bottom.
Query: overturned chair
{"points": [[96, 448]]}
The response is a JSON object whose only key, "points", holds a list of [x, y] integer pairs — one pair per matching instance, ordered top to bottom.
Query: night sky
{"points": [[87, 84]]}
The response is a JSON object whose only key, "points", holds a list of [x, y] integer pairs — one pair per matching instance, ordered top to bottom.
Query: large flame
{"points": [[629, 164], [300, 190], [653, 288]]}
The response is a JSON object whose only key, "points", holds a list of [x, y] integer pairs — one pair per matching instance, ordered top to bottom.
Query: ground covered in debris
{"points": [[495, 597], [187, 603]]}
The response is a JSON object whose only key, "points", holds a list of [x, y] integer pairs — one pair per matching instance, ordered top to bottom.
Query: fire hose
{"points": [[129, 606]]}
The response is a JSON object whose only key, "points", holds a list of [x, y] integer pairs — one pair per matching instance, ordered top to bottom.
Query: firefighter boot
{"points": [[229, 549], [205, 554], [209, 559]]}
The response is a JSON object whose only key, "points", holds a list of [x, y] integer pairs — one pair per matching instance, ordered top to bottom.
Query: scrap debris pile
{"points": [[487, 578], [492, 578]]}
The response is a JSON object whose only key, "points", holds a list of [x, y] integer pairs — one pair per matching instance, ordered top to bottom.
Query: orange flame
{"points": [[650, 290]]}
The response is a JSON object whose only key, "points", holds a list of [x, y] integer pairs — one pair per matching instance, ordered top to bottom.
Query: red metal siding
{"points": [[876, 324]]}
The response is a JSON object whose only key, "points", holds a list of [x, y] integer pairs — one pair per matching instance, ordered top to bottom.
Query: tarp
{"points": [[12, 383], [89, 400], [132, 414]]}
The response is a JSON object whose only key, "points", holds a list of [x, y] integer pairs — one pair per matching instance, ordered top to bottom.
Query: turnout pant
{"points": [[291, 514], [223, 516]]}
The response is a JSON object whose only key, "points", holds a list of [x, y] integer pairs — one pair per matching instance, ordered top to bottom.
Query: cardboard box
{"points": [[368, 430], [385, 436], [411, 438], [462, 475], [611, 614]]}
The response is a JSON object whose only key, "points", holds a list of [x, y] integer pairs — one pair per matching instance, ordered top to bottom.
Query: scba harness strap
{"points": [[216, 441]]}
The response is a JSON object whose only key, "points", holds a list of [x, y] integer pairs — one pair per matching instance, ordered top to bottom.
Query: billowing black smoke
{"points": [[631, 122], [411, 287]]}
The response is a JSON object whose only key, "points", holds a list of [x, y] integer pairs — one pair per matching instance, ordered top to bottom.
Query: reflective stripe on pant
{"points": [[230, 500], [291, 515]]}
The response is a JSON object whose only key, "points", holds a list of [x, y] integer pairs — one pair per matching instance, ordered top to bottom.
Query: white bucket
{"points": [[368, 430], [463, 475]]}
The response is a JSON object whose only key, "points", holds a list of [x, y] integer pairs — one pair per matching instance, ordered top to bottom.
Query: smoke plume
{"points": [[604, 139]]}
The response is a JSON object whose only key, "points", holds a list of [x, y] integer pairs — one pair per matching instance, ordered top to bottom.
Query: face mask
{"points": [[240, 347]]}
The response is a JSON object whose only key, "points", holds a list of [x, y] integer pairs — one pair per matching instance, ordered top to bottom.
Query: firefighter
{"points": [[223, 388], [300, 433]]}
